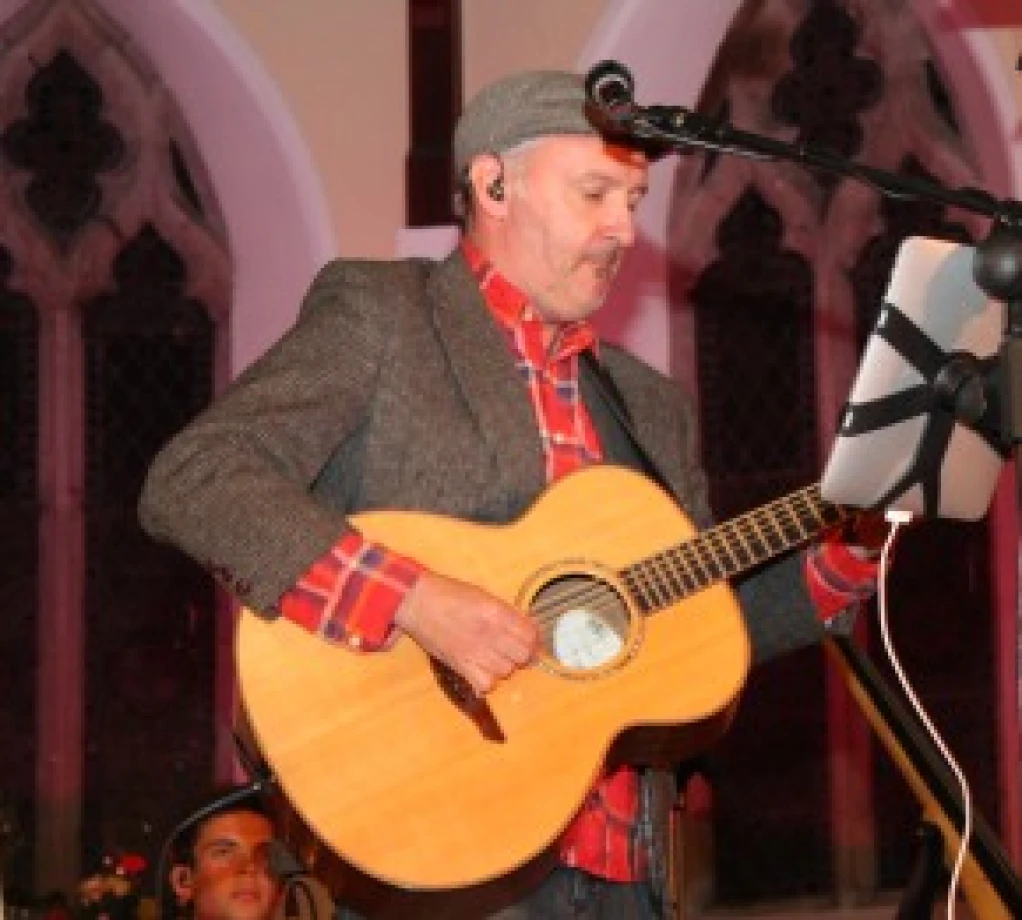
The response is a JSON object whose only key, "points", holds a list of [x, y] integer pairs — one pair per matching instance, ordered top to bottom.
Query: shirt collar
{"points": [[512, 308]]}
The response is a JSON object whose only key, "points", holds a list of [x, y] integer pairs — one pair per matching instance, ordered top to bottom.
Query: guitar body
{"points": [[383, 757]]}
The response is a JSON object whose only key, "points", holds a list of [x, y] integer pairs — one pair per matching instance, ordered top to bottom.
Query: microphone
{"points": [[610, 87], [281, 862], [286, 869]]}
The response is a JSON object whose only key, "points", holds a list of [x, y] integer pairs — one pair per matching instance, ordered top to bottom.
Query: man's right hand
{"points": [[470, 631]]}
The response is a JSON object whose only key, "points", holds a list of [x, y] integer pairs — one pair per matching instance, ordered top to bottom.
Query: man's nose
{"points": [[621, 225], [253, 861]]}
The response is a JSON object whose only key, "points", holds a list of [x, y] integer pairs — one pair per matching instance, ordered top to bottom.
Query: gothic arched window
{"points": [[115, 292]]}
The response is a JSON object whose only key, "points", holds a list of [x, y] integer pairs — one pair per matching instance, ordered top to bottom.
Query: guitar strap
{"points": [[611, 400], [621, 444]]}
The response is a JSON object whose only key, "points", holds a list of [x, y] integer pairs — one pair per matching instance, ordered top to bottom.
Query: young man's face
{"points": [[570, 219], [229, 879]]}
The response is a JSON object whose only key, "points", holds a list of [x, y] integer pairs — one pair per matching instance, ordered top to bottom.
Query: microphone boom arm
{"points": [[682, 129]]}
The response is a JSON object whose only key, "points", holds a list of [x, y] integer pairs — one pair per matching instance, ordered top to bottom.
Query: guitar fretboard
{"points": [[730, 548]]}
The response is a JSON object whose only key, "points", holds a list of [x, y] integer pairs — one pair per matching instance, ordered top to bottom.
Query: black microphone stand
{"points": [[997, 270]]}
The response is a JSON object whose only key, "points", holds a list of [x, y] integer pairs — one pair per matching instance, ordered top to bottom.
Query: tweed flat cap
{"points": [[522, 107], [517, 109]]}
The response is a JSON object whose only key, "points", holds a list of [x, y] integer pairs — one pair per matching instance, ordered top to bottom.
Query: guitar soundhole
{"points": [[584, 623]]}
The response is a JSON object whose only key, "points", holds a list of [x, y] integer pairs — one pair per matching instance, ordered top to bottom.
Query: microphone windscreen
{"points": [[610, 84]]}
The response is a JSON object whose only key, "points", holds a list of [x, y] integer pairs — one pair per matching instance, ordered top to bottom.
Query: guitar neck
{"points": [[730, 548]]}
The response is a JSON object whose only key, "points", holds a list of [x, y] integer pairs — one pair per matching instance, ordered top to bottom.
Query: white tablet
{"points": [[921, 429]]}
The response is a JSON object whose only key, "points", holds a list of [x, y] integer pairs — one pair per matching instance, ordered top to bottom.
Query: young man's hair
{"points": [[225, 800]]}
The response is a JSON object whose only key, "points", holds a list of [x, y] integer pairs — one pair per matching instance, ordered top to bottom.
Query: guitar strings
{"points": [[680, 570], [602, 597]]}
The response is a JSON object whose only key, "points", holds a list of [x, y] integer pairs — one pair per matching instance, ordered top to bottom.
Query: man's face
{"points": [[570, 218], [229, 879]]}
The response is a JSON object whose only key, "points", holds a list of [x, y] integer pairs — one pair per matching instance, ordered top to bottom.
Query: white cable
{"points": [[898, 519]]}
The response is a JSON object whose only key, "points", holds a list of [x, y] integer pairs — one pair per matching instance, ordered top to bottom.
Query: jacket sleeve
{"points": [[232, 488]]}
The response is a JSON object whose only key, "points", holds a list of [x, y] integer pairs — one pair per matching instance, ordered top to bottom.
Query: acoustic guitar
{"points": [[409, 777]]}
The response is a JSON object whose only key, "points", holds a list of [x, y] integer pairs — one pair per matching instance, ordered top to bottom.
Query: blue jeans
{"points": [[564, 894], [574, 895]]}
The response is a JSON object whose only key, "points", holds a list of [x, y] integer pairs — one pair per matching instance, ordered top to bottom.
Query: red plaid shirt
{"points": [[352, 593], [602, 837]]}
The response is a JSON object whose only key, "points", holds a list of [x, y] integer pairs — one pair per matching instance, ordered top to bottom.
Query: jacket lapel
{"points": [[485, 371]]}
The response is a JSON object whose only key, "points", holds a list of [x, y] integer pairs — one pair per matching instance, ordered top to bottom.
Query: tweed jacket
{"points": [[395, 389]]}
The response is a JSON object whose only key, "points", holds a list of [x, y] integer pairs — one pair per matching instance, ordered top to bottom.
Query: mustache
{"points": [[608, 253], [605, 260]]}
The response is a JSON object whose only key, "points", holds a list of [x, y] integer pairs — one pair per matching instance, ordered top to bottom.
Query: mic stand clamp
{"points": [[997, 268]]}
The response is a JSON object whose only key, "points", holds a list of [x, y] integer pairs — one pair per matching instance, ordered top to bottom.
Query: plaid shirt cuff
{"points": [[837, 578], [351, 593]]}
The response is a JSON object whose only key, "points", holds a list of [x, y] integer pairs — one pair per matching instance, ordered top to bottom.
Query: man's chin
{"points": [[599, 288], [596, 299], [574, 304], [249, 908]]}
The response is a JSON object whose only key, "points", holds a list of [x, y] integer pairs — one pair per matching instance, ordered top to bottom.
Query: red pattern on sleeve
{"points": [[837, 578], [351, 593]]}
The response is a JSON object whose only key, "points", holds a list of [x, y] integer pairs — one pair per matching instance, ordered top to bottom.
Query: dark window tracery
{"points": [[829, 85], [64, 143], [183, 177], [99, 186], [871, 272], [755, 362], [19, 568], [150, 644]]}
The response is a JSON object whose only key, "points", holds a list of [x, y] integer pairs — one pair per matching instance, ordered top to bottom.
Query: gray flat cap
{"points": [[520, 108]]}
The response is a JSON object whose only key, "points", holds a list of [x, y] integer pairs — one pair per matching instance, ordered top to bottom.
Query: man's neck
{"points": [[552, 331]]}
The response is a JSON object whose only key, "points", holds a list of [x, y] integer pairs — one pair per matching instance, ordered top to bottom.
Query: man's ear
{"points": [[486, 175], [181, 880]]}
